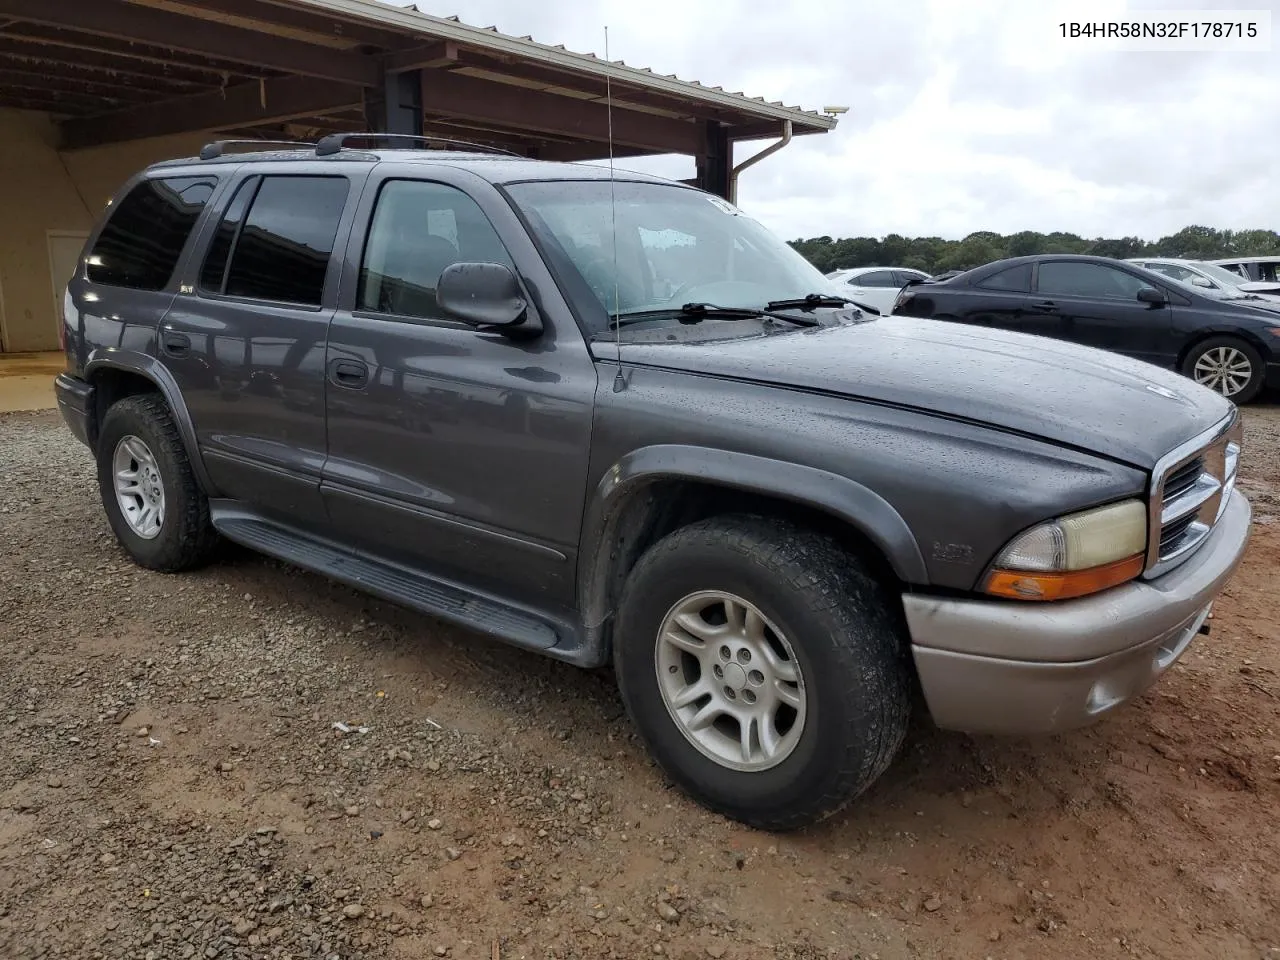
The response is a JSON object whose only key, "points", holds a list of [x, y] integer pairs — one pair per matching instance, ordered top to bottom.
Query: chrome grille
{"points": [[1189, 490]]}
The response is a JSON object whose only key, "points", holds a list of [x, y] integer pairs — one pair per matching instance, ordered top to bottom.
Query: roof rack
{"points": [[335, 142], [211, 151]]}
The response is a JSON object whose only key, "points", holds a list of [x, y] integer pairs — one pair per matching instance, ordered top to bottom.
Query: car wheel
{"points": [[1226, 365], [154, 505], [767, 672]]}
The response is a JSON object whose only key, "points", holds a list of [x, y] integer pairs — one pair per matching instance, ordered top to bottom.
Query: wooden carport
{"points": [[120, 70], [93, 90]]}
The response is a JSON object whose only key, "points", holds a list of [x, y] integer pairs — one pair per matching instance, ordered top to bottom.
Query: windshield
{"points": [[674, 246], [1220, 275]]}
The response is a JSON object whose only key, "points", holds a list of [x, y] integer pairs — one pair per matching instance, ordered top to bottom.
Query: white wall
{"points": [[41, 190]]}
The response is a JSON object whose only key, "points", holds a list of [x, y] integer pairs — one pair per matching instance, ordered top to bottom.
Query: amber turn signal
{"points": [[1025, 585]]}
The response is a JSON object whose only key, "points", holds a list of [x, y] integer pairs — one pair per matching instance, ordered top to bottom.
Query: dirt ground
{"points": [[172, 784]]}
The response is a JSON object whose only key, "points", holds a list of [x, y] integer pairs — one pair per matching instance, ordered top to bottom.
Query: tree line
{"points": [[934, 254]]}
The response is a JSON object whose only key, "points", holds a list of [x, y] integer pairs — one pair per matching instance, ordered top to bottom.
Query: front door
{"points": [[1097, 305], [245, 337], [459, 452]]}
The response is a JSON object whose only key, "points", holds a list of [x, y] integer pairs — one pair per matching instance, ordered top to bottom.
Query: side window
{"points": [[419, 229], [143, 238], [275, 241], [1182, 274], [213, 275], [876, 278], [1011, 279], [1077, 279]]}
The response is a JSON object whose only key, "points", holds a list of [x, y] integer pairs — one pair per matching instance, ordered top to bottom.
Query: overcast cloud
{"points": [[963, 115]]}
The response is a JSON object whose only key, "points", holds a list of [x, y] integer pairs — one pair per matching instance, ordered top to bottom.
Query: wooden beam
{"points": [[312, 21], [130, 22], [38, 38], [440, 54], [25, 56], [588, 84], [93, 86], [446, 94], [44, 103], [248, 104], [767, 130], [577, 152]]}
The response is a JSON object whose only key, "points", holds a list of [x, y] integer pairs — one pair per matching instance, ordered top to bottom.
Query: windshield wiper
{"points": [[813, 300], [697, 312]]}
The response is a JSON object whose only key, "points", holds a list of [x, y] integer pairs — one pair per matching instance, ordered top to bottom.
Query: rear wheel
{"points": [[1226, 365], [154, 505], [764, 668]]}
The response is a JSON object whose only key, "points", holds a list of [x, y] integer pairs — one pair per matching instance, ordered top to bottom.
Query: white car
{"points": [[1252, 268], [1209, 276], [875, 286]]}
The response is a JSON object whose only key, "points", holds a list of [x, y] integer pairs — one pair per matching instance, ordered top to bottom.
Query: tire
{"points": [[1210, 355], [183, 538], [846, 634]]}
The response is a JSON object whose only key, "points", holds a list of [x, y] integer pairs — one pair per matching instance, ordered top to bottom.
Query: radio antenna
{"points": [[619, 382]]}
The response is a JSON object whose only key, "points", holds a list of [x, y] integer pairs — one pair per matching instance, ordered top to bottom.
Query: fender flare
{"points": [[148, 367], [859, 506]]}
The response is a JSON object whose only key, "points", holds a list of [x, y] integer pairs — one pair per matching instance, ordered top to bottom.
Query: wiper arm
{"points": [[813, 300], [701, 310], [697, 312]]}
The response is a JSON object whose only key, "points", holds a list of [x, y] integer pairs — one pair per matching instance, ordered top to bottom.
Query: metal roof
{"points": [[411, 19], [112, 70]]}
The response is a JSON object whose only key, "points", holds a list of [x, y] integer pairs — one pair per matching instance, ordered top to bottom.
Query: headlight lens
{"points": [[1074, 555]]}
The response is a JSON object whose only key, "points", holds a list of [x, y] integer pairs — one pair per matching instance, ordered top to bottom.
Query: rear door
{"points": [[1000, 301], [1097, 305], [245, 338]]}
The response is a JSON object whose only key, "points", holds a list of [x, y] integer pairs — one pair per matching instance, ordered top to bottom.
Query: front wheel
{"points": [[1226, 365], [764, 668]]}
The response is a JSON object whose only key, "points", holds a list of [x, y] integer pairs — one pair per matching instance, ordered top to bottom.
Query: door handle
{"points": [[1044, 306], [175, 344], [351, 374]]}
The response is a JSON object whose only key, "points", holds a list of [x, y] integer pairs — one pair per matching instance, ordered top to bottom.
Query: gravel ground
{"points": [[173, 784]]}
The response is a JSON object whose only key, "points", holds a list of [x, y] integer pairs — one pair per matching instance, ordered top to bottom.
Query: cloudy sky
{"points": [[963, 114]]}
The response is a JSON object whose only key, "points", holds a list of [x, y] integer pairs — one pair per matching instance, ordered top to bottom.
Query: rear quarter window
{"points": [[143, 238], [1016, 279]]}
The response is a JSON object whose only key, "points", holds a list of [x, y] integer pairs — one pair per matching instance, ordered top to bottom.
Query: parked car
{"points": [[1253, 268], [1208, 276], [875, 286], [1227, 342], [428, 375]]}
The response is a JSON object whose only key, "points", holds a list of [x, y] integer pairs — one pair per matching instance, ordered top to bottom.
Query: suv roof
{"points": [[496, 167]]}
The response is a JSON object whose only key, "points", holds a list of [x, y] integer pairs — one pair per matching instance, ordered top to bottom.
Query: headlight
{"points": [[1074, 555]]}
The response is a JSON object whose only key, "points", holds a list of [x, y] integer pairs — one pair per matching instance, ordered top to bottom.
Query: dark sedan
{"points": [[1230, 343]]}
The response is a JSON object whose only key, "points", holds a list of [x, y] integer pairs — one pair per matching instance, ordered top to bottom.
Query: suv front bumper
{"points": [[1008, 667]]}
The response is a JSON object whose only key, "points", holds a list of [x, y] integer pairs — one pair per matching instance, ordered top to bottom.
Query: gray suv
{"points": [[613, 420]]}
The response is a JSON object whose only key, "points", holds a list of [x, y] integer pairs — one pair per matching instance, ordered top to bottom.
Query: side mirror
{"points": [[1200, 281], [482, 295], [1152, 296]]}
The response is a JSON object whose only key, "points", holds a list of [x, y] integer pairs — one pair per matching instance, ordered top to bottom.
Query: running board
{"points": [[405, 587]]}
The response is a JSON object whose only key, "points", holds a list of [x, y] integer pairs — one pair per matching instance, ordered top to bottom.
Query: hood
{"points": [[1260, 286], [1124, 409]]}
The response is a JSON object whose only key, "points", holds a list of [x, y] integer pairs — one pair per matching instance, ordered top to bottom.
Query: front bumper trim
{"points": [[1010, 667]]}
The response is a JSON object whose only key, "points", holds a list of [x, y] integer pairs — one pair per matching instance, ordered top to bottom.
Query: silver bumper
{"points": [[992, 666]]}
